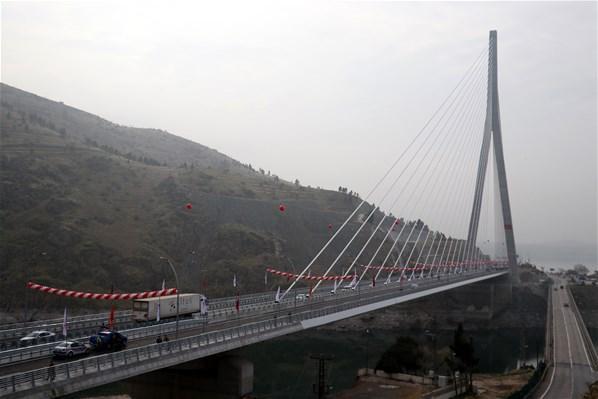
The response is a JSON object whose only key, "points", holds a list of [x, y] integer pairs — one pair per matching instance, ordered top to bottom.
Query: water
{"points": [[283, 368]]}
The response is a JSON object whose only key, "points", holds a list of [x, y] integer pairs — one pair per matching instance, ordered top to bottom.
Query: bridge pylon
{"points": [[493, 135]]}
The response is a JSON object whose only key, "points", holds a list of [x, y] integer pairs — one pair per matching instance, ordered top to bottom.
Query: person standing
{"points": [[51, 371]]}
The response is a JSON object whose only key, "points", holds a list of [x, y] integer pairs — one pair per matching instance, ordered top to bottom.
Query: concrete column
{"points": [[217, 377]]}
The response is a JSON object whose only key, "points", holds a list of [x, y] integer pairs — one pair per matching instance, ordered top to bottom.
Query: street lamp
{"points": [[176, 278]]}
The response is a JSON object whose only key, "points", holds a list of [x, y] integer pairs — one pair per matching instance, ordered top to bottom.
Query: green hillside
{"points": [[87, 204]]}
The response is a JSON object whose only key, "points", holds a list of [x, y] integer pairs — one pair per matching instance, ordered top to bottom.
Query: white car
{"points": [[301, 297], [37, 337], [70, 349]]}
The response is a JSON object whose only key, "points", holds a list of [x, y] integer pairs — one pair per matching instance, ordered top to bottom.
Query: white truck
{"points": [[147, 309]]}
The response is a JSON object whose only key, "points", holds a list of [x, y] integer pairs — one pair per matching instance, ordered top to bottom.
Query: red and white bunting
{"points": [[309, 277], [110, 297]]}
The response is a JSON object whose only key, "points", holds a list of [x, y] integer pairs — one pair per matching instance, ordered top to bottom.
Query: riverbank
{"points": [[488, 386], [500, 386], [368, 387]]}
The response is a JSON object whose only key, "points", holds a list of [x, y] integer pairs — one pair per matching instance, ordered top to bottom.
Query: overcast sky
{"points": [[302, 88]]}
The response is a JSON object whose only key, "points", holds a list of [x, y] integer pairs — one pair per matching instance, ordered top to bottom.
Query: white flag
{"points": [[235, 280], [354, 281], [334, 290], [277, 297], [203, 309], [64, 324]]}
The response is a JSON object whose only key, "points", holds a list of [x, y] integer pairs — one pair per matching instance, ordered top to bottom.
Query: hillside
{"points": [[87, 204]]}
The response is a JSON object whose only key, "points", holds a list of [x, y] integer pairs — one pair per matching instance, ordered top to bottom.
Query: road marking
{"points": [[569, 347], [553, 355]]}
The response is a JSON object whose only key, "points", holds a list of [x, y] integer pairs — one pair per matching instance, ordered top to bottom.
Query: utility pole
{"points": [[321, 389]]}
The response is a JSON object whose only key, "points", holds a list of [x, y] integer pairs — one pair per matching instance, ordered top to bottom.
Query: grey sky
{"points": [[303, 88]]}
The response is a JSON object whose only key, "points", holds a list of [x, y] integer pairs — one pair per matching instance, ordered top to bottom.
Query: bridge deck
{"points": [[83, 374]]}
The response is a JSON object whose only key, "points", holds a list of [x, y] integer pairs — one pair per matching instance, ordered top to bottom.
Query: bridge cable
{"points": [[391, 187], [401, 232], [325, 246]]}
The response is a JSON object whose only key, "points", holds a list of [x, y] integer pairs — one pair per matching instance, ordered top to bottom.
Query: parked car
{"points": [[301, 297], [37, 337], [70, 349]]}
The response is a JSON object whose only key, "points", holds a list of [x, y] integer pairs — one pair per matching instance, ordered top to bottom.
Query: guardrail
{"points": [[37, 323], [56, 325], [86, 325], [154, 329], [144, 331], [10, 333], [585, 335], [185, 347], [548, 347], [188, 348], [69, 370], [50, 376]]}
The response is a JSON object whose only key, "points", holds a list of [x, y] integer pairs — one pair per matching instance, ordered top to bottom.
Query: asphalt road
{"points": [[572, 373]]}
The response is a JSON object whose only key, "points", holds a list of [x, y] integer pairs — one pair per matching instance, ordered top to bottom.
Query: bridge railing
{"points": [[38, 323], [80, 326], [148, 329], [152, 329], [18, 331], [585, 335], [129, 358]]}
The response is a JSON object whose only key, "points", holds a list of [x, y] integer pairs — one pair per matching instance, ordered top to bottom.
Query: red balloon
{"points": [[189, 206], [281, 207], [329, 226]]}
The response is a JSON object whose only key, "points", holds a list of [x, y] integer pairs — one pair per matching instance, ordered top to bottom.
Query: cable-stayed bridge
{"points": [[450, 232]]}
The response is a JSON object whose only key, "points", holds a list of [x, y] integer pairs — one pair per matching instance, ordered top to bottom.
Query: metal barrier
{"points": [[37, 323], [55, 325], [153, 329], [585, 335], [103, 363]]}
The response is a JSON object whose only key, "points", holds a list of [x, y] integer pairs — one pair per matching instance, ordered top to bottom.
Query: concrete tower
{"points": [[493, 134]]}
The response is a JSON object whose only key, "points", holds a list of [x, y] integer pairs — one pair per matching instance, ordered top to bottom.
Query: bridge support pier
{"points": [[501, 294], [218, 377]]}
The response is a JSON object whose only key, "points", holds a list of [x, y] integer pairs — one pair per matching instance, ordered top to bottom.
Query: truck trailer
{"points": [[147, 309]]}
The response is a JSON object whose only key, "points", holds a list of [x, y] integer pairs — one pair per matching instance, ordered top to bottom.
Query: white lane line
{"points": [[583, 345], [569, 347], [553, 354]]}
